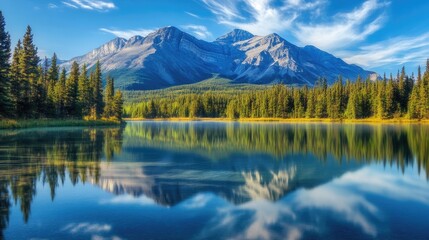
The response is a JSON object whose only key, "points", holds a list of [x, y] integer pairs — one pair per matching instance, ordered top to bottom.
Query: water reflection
{"points": [[399, 145], [29, 156], [271, 180], [342, 209]]}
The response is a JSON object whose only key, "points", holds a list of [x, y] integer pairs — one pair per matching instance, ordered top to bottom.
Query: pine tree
{"points": [[28, 65], [45, 68], [54, 69], [52, 74], [16, 79], [5, 83], [402, 90], [84, 92], [71, 93], [59, 94], [424, 94], [39, 96], [97, 96], [108, 98], [390, 98], [321, 99], [381, 100], [118, 103], [413, 104], [311, 105], [352, 106]]}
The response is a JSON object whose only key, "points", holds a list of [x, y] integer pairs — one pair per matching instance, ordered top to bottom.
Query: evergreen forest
{"points": [[34, 89], [402, 96]]}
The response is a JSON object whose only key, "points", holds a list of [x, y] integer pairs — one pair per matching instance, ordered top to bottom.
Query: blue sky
{"points": [[380, 35]]}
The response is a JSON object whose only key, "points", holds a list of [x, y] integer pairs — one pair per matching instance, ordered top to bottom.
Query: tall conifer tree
{"points": [[28, 65], [16, 79], [5, 83], [97, 91], [84, 92], [71, 94], [108, 98]]}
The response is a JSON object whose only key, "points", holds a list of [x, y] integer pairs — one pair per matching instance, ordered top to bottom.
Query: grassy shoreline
{"points": [[289, 120], [35, 123]]}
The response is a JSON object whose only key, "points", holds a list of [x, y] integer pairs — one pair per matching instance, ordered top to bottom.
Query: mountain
{"points": [[169, 57]]}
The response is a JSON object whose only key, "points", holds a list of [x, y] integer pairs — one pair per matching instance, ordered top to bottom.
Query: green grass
{"points": [[218, 85], [36, 123]]}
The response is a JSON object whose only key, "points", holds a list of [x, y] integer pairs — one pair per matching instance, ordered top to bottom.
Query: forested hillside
{"points": [[29, 89], [394, 97]]}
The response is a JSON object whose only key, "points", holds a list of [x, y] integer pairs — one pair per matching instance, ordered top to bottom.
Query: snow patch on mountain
{"points": [[169, 57]]}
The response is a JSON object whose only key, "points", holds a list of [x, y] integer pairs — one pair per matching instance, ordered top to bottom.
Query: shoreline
{"points": [[289, 120], [6, 124]]}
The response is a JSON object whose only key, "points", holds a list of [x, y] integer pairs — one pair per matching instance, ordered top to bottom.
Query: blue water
{"points": [[203, 180]]}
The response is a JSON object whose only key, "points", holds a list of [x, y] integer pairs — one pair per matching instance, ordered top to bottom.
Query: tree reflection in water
{"points": [[51, 156]]}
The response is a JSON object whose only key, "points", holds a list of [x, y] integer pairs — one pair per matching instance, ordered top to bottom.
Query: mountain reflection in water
{"points": [[281, 173]]}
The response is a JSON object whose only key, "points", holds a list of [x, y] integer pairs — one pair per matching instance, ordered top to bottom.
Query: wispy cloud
{"points": [[52, 5], [70, 5], [99, 5], [302, 5], [193, 15], [267, 16], [260, 17], [302, 20], [345, 29], [198, 30], [127, 33], [399, 50]]}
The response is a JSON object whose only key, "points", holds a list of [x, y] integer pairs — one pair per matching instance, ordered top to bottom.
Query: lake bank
{"points": [[288, 120], [35, 123]]}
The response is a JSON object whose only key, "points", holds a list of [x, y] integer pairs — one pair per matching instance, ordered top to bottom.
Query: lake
{"points": [[216, 180]]}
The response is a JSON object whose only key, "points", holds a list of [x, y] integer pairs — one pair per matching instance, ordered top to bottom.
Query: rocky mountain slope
{"points": [[169, 57]]}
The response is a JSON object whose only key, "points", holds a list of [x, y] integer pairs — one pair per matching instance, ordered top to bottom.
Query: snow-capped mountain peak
{"points": [[169, 57]]}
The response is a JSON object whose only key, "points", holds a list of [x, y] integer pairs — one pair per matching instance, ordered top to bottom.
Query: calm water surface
{"points": [[203, 180]]}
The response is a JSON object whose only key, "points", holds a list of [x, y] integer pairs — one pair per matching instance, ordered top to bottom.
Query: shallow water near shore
{"points": [[215, 180]]}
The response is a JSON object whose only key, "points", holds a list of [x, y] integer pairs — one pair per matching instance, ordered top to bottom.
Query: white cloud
{"points": [[100, 5], [267, 16], [263, 17], [302, 20], [198, 30], [345, 30], [127, 33], [399, 50], [128, 199], [198, 201], [348, 204], [86, 227], [98, 237]]}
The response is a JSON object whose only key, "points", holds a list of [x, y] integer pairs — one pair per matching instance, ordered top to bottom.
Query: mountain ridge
{"points": [[169, 57]]}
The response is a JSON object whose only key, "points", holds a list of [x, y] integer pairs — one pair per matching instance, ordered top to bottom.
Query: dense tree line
{"points": [[29, 89], [393, 97]]}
